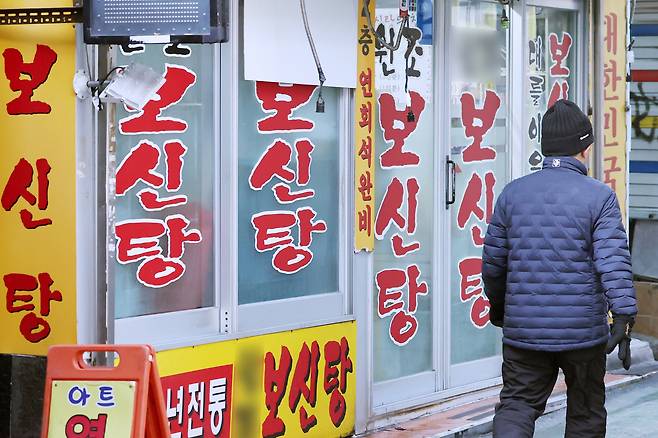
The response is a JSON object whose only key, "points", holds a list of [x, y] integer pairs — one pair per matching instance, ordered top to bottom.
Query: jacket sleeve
{"points": [[612, 260], [494, 263]]}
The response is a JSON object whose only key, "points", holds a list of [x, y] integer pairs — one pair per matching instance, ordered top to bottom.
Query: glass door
{"points": [[552, 67], [492, 73], [478, 163], [404, 330]]}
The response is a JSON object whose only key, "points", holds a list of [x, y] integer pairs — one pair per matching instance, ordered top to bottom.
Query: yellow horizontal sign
{"points": [[289, 384]]}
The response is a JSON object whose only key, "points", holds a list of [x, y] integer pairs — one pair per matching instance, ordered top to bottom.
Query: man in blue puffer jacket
{"points": [[555, 261]]}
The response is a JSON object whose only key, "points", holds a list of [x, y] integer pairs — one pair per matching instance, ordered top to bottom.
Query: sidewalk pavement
{"points": [[631, 413], [474, 419]]}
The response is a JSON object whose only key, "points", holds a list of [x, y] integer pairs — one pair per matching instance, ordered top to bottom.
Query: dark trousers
{"points": [[528, 380]]}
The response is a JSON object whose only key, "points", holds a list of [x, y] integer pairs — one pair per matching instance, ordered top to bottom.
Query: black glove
{"points": [[497, 315], [620, 334]]}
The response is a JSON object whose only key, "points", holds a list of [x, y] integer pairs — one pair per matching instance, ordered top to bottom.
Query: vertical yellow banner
{"points": [[364, 134], [615, 169], [37, 184]]}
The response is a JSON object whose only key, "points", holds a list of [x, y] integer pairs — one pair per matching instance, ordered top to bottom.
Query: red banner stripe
{"points": [[644, 75]]}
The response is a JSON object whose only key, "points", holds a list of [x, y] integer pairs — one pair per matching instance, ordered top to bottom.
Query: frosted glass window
{"points": [[179, 145], [301, 200]]}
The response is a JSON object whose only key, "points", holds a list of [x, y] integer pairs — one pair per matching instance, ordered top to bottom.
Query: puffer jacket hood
{"points": [[556, 259]]}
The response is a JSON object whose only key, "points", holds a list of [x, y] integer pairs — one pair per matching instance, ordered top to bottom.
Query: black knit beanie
{"points": [[566, 130]]}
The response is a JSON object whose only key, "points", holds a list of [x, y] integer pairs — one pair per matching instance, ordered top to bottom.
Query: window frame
{"points": [[316, 309], [226, 319], [180, 327]]}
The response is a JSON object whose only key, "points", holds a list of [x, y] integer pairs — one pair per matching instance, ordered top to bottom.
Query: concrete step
{"points": [[631, 412], [474, 419]]}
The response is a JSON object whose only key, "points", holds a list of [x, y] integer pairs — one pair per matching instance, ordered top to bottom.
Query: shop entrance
{"points": [[491, 81]]}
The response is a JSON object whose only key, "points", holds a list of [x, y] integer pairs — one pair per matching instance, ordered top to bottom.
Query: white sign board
{"points": [[276, 48], [393, 82]]}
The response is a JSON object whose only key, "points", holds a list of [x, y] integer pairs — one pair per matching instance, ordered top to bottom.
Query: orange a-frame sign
{"points": [[122, 401]]}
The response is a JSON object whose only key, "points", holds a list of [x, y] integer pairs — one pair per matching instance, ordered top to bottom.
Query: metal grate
{"points": [[149, 17]]}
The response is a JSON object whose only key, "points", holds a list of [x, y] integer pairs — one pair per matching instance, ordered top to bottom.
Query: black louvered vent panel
{"points": [[114, 21]]}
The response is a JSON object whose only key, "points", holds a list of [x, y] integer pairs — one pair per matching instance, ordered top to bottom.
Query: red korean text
{"points": [[317, 369]]}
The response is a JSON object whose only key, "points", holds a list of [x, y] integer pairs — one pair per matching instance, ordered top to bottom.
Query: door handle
{"points": [[450, 182]]}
